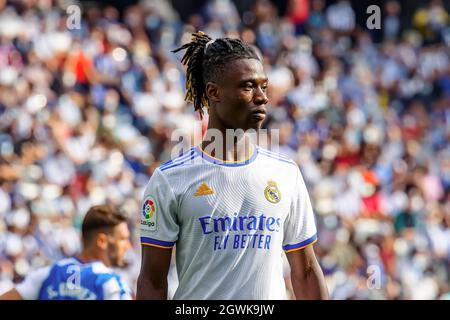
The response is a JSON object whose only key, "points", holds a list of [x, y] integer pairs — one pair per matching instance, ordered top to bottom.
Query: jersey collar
{"points": [[227, 163]]}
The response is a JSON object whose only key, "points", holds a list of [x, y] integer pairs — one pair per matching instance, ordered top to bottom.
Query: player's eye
{"points": [[248, 86]]}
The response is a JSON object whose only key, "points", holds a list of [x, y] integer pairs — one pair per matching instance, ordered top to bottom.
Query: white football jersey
{"points": [[230, 222]]}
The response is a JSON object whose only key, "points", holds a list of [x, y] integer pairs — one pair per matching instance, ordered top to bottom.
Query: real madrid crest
{"points": [[271, 192]]}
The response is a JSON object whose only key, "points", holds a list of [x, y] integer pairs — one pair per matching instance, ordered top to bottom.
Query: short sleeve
{"points": [[159, 226], [299, 227], [29, 288]]}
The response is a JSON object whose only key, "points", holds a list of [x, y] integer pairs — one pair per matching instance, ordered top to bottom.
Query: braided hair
{"points": [[205, 59]]}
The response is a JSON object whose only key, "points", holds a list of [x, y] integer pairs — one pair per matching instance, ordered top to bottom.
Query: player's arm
{"points": [[300, 234], [307, 277], [152, 280], [12, 294]]}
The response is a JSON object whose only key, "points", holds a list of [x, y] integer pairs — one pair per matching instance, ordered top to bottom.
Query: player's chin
{"points": [[255, 121], [118, 263]]}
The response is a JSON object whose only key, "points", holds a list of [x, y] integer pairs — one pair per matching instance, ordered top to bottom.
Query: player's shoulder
{"points": [[276, 158], [181, 161], [67, 261], [63, 264], [67, 266], [98, 267], [88, 268], [101, 272]]}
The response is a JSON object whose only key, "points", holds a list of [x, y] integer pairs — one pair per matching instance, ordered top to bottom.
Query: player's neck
{"points": [[236, 149], [89, 255]]}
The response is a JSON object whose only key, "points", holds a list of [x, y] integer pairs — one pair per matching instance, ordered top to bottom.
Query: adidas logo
{"points": [[203, 190]]}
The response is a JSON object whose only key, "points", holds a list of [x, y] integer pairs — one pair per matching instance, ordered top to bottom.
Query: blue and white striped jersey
{"points": [[71, 279]]}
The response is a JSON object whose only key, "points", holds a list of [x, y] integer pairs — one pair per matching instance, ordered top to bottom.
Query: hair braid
{"points": [[193, 58]]}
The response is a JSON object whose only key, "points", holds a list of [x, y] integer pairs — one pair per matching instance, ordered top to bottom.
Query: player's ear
{"points": [[212, 91], [102, 240]]}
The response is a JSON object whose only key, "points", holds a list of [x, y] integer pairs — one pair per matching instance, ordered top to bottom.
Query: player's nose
{"points": [[260, 97]]}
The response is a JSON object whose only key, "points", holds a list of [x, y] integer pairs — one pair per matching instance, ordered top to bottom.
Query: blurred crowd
{"points": [[87, 112]]}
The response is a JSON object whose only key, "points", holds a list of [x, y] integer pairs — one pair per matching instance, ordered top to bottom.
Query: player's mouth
{"points": [[258, 114]]}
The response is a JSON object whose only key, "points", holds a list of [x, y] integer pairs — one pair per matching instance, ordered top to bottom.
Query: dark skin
{"points": [[239, 91], [237, 101]]}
